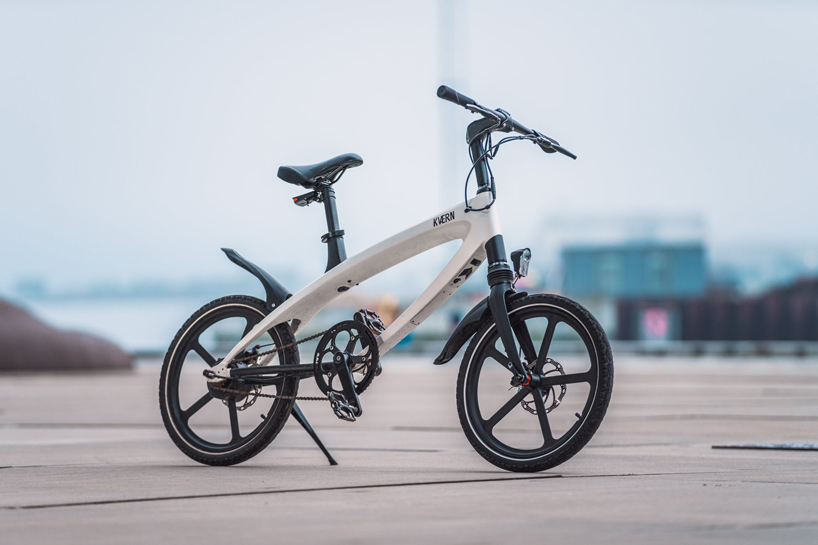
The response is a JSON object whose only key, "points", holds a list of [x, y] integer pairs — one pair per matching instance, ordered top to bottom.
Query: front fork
{"points": [[500, 277]]}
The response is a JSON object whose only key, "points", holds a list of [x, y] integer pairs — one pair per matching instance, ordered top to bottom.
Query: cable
{"points": [[489, 153]]}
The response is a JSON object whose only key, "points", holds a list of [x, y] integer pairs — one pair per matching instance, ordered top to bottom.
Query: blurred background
{"points": [[137, 138]]}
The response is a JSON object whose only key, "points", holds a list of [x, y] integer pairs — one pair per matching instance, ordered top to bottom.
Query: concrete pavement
{"points": [[84, 458]]}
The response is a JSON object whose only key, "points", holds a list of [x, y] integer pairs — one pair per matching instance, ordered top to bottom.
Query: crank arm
{"points": [[301, 370], [262, 381], [348, 384]]}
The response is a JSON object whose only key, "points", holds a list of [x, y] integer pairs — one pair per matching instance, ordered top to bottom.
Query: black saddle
{"points": [[310, 176]]}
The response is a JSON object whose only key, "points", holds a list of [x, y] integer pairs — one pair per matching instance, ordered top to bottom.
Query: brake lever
{"points": [[485, 112], [547, 139], [549, 145]]}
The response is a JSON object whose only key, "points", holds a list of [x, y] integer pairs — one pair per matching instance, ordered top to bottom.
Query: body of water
{"points": [[137, 325], [148, 325]]}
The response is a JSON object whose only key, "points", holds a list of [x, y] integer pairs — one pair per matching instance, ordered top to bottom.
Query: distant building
{"points": [[635, 270], [653, 276], [787, 313]]}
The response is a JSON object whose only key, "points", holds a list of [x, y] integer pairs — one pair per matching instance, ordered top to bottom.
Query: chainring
{"points": [[355, 339]]}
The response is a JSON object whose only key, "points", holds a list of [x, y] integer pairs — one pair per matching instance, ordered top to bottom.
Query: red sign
{"points": [[655, 323]]}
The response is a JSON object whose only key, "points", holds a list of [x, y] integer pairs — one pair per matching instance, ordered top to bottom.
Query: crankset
{"points": [[346, 361]]}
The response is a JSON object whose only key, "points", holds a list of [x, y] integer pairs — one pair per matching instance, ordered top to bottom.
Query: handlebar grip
{"points": [[447, 93], [564, 151]]}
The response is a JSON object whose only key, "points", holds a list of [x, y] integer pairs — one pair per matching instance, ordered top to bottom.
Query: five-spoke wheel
{"points": [[227, 424], [541, 424]]}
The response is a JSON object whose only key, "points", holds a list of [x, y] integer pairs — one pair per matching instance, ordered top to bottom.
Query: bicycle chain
{"points": [[267, 353], [272, 396]]}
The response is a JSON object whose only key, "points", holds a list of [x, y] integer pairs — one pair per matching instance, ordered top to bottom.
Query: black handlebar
{"points": [[447, 93], [507, 124], [519, 128], [562, 150]]}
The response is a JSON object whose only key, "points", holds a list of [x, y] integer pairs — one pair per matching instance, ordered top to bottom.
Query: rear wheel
{"points": [[207, 424], [536, 428]]}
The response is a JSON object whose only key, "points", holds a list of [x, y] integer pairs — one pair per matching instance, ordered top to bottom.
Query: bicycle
{"points": [[514, 338]]}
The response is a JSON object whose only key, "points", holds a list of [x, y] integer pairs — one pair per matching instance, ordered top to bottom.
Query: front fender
{"points": [[275, 292], [468, 326]]}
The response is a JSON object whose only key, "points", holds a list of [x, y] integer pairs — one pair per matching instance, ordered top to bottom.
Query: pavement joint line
{"points": [[742, 417], [79, 425], [160, 425], [427, 428], [451, 429], [626, 445], [786, 447], [367, 449], [774, 482], [335, 489], [270, 492], [776, 525], [757, 526]]}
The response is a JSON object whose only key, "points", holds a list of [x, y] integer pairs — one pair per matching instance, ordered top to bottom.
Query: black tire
{"points": [[485, 346], [177, 422]]}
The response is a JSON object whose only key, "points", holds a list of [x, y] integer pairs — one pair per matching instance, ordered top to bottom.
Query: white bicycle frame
{"points": [[474, 228]]}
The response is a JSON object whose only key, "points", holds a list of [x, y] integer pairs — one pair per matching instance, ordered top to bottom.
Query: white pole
{"points": [[453, 61]]}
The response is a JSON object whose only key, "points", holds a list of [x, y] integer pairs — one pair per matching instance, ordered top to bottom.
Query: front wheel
{"points": [[530, 428]]}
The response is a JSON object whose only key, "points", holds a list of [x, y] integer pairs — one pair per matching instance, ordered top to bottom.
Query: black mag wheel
{"points": [[209, 425], [526, 428]]}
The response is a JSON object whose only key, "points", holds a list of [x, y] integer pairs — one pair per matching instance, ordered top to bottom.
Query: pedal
{"points": [[371, 320], [340, 407]]}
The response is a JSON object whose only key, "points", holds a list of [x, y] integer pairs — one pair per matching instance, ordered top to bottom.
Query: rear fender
{"points": [[275, 292]]}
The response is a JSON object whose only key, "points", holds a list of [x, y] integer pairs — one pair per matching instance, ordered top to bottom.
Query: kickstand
{"points": [[299, 416]]}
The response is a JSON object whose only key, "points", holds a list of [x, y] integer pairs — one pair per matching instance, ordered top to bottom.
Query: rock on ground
{"points": [[27, 344]]}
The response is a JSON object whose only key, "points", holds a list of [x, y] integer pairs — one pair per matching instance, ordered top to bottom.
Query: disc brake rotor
{"points": [[241, 393], [551, 400]]}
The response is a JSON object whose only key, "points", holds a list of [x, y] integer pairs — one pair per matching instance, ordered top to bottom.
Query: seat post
{"points": [[336, 251]]}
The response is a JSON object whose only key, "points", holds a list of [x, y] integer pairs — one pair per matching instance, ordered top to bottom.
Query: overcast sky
{"points": [[136, 138]]}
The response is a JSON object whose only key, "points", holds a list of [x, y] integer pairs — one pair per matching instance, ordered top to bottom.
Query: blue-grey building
{"points": [[635, 270], [637, 287]]}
